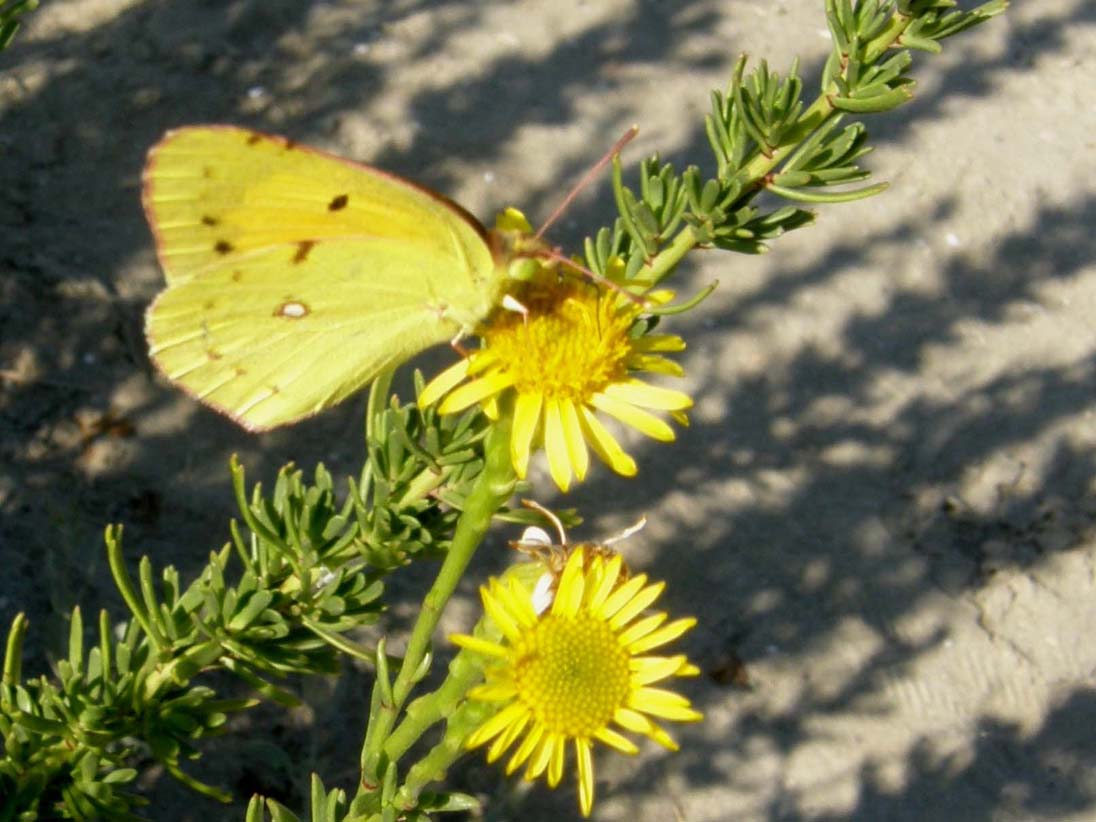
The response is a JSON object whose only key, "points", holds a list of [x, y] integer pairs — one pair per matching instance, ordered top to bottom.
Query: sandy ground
{"points": [[884, 506]]}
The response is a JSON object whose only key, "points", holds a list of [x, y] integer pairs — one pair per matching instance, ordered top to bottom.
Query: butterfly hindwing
{"points": [[265, 349]]}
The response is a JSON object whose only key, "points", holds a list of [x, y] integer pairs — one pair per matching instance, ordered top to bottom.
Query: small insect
{"points": [[537, 543]]}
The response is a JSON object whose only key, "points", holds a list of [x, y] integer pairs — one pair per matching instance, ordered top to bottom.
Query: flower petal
{"points": [[659, 342], [481, 361], [655, 364], [444, 382], [472, 392], [637, 392], [637, 418], [526, 421], [576, 442], [605, 444], [555, 445], [605, 584], [572, 585], [622, 595], [519, 603], [636, 604], [502, 618], [636, 632], [667, 633], [480, 646], [687, 668], [648, 669], [501, 691], [662, 703], [632, 720], [496, 724], [656, 733], [504, 740], [617, 741], [527, 746], [539, 761], [555, 766], [585, 775]]}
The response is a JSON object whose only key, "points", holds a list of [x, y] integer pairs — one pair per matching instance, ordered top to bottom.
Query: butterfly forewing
{"points": [[214, 191], [294, 277]]}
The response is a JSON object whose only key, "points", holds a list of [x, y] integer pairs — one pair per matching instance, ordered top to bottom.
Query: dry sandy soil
{"points": [[884, 506]]}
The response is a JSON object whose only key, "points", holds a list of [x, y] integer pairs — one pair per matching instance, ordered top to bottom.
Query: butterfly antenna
{"points": [[589, 175], [593, 276], [540, 509], [627, 532]]}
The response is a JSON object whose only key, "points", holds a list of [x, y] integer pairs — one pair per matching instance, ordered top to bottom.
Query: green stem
{"points": [[877, 47], [667, 259], [423, 485], [492, 489], [431, 708], [434, 766]]}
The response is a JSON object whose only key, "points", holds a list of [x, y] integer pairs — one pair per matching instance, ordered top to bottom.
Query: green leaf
{"points": [[9, 18], [882, 100], [817, 196], [252, 609], [76, 642], [340, 642], [13, 650], [267, 689], [40, 725], [448, 802], [255, 811]]}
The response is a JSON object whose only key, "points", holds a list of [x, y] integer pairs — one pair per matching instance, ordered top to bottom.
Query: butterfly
{"points": [[295, 277], [536, 543]]}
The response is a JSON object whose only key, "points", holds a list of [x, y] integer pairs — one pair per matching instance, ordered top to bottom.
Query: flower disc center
{"points": [[572, 343], [573, 674]]}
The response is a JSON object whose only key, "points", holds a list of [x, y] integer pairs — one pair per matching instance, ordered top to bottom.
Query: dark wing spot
{"points": [[254, 138], [290, 145], [207, 172], [338, 203], [210, 221], [223, 247], [303, 247], [237, 275], [209, 305], [292, 310], [213, 355], [239, 371], [274, 389]]}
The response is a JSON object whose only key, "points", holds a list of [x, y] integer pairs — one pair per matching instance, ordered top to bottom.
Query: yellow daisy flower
{"points": [[569, 352], [568, 675]]}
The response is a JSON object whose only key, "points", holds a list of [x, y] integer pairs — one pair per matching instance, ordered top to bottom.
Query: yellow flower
{"points": [[569, 351], [568, 675]]}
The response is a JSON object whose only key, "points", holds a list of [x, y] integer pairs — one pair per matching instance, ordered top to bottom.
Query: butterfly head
{"points": [[516, 248], [536, 543]]}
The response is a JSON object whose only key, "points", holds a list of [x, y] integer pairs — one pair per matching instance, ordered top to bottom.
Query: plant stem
{"points": [[666, 260], [492, 489], [431, 708], [436, 763]]}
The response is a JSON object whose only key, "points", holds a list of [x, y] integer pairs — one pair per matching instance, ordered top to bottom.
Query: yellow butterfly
{"points": [[295, 277]]}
